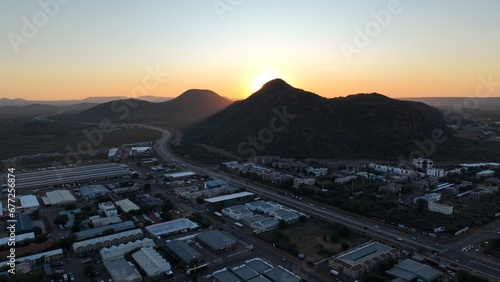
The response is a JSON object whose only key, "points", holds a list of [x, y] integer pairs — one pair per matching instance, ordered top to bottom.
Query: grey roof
{"points": [[50, 177], [92, 189], [228, 197], [23, 223], [171, 227], [99, 230], [215, 239], [183, 250], [364, 253], [151, 262], [258, 265], [121, 270], [423, 271], [245, 272], [279, 274], [402, 274], [226, 276], [259, 279]]}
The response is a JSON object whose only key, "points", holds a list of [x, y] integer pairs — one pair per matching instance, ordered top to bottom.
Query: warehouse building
{"points": [[179, 175], [52, 177], [93, 192], [58, 198], [231, 199], [28, 204], [127, 205], [237, 212], [23, 224], [266, 224], [117, 227], [171, 227], [216, 241], [97, 244], [183, 251], [114, 252], [152, 263], [355, 263], [120, 270], [409, 270], [280, 274], [224, 275]]}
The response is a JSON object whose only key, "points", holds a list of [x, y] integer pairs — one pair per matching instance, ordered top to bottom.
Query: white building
{"points": [[422, 163], [435, 172], [306, 181], [432, 197], [58, 198], [28, 204], [127, 205], [108, 208], [440, 208], [152, 262]]}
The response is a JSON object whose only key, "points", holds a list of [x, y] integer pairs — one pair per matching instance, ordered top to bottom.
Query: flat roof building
{"points": [[179, 175], [50, 177], [93, 192], [58, 198], [231, 199], [28, 204], [127, 205], [108, 208], [23, 224], [117, 227], [171, 227], [216, 241], [183, 251], [355, 263], [153, 264], [121, 270], [409, 270], [245, 272], [280, 274], [225, 275]]}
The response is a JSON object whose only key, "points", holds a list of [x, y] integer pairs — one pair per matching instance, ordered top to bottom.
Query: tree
{"points": [[146, 187], [199, 200], [167, 205], [421, 205], [70, 207], [35, 214], [166, 216], [61, 219], [282, 224], [37, 230], [108, 232], [334, 237], [344, 246], [89, 270]]}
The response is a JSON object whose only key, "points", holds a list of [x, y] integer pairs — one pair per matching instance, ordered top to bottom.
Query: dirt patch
{"points": [[313, 238]]}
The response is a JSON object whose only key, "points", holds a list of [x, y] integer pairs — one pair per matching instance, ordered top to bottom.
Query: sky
{"points": [[72, 49]]}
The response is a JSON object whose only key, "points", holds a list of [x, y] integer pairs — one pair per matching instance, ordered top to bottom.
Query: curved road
{"points": [[469, 261]]}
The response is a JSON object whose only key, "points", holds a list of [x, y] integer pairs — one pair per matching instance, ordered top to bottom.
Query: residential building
{"points": [[423, 163], [435, 172], [485, 173], [297, 182], [492, 182], [390, 188], [432, 197], [440, 208], [40, 258]]}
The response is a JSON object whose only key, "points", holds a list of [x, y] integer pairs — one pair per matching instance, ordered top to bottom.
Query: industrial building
{"points": [[179, 175], [52, 177], [215, 184], [93, 192], [58, 198], [231, 199], [28, 204], [127, 205], [237, 212], [23, 224], [265, 224], [117, 227], [171, 227], [19, 238], [216, 241], [97, 244], [183, 251], [114, 252], [40, 258], [151, 262], [355, 263], [121, 270], [255, 270], [409, 270], [280, 274], [224, 275]]}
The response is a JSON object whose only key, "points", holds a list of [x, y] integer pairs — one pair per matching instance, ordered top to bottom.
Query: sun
{"points": [[262, 79]]}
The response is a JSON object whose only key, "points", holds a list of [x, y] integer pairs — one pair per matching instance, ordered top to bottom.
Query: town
{"points": [[133, 213]]}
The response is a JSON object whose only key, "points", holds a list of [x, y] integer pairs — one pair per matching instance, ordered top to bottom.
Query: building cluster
{"points": [[255, 270]]}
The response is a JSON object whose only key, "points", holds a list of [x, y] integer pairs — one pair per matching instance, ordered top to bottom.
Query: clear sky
{"points": [[53, 50]]}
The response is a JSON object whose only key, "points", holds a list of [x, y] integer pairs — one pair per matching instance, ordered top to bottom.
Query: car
{"points": [[375, 226]]}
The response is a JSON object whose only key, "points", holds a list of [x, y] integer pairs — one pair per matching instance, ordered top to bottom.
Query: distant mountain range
{"points": [[64, 103], [488, 103], [186, 109], [282, 120]]}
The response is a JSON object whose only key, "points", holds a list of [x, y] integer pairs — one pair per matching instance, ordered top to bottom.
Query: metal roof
{"points": [[228, 197], [171, 227], [216, 239], [183, 250], [151, 262]]}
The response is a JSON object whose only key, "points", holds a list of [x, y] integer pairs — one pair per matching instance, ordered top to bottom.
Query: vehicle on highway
{"points": [[399, 239]]}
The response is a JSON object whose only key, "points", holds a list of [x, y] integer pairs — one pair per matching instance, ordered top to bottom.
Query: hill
{"points": [[4, 102], [188, 108], [28, 111], [282, 120]]}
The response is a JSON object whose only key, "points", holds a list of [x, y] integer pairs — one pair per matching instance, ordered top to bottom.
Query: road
{"points": [[452, 253]]}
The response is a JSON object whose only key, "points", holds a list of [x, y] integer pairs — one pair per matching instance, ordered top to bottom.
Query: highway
{"points": [[469, 260]]}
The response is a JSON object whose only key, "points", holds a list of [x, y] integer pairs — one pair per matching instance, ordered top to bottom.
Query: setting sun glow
{"points": [[262, 78]]}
